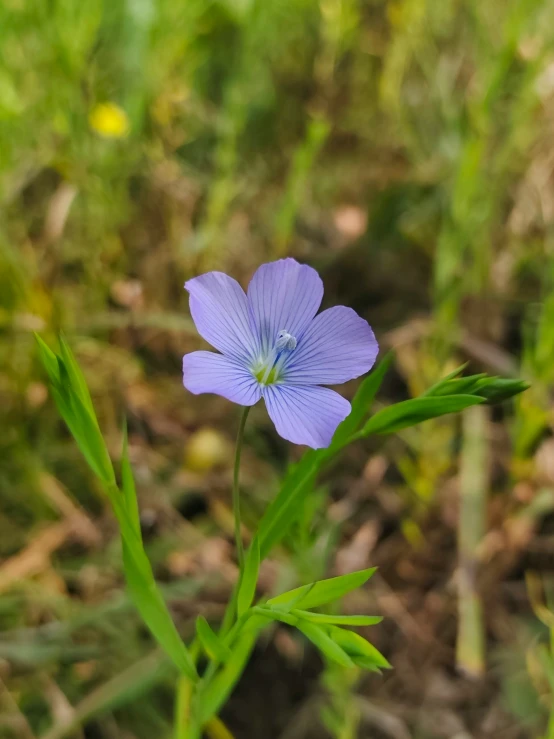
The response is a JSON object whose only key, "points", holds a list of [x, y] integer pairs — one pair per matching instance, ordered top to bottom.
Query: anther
{"points": [[285, 341]]}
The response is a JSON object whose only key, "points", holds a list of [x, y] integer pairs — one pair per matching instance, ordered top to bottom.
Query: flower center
{"points": [[267, 369]]}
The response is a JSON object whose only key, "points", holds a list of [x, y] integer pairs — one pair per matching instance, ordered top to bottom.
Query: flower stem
{"points": [[236, 491], [216, 729]]}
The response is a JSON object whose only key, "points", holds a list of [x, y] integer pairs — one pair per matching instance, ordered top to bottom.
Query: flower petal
{"points": [[283, 296], [219, 309], [337, 346], [208, 372], [305, 414]]}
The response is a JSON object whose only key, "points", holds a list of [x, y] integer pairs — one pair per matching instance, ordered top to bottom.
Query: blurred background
{"points": [[402, 148]]}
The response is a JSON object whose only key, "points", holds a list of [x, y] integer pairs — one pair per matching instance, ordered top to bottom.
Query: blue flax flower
{"points": [[274, 346]]}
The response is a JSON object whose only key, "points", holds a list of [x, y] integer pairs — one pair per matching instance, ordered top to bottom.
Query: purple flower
{"points": [[273, 346]]}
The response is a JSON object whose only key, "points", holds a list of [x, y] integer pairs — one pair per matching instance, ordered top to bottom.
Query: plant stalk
{"points": [[236, 490], [470, 645]]}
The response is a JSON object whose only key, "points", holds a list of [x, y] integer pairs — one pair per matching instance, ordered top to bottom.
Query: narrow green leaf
{"points": [[48, 359], [456, 372], [76, 376], [66, 384], [456, 386], [437, 387], [501, 388], [491, 389], [73, 402], [361, 404], [411, 412], [84, 430], [128, 485], [282, 511], [130, 532], [140, 580], [247, 589], [144, 591], [323, 591], [302, 592], [287, 607], [152, 608], [277, 614], [329, 618], [257, 620], [211, 643], [325, 643], [356, 646], [369, 664], [221, 687]]}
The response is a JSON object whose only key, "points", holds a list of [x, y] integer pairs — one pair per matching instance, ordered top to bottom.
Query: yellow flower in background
{"points": [[109, 120], [206, 449]]}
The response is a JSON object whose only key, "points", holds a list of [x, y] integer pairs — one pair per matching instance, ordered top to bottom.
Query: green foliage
{"points": [[491, 389], [450, 395], [74, 404], [361, 404], [411, 412], [128, 485], [249, 578], [322, 592], [152, 607], [331, 618], [211, 643], [328, 646], [346, 648], [360, 650], [228, 651], [220, 688]]}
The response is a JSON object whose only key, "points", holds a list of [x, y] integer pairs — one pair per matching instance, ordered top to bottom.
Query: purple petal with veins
{"points": [[273, 345]]}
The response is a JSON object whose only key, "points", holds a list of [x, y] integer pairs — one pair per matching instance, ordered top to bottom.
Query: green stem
{"points": [[236, 490], [232, 604], [230, 627], [470, 643], [182, 708], [186, 726], [550, 730]]}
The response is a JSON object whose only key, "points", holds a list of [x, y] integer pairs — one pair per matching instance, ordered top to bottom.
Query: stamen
{"points": [[285, 341], [273, 363]]}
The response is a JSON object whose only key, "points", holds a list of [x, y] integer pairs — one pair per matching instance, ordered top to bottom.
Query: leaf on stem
{"points": [[411, 412], [249, 578], [321, 592], [330, 618], [318, 636], [211, 643]]}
